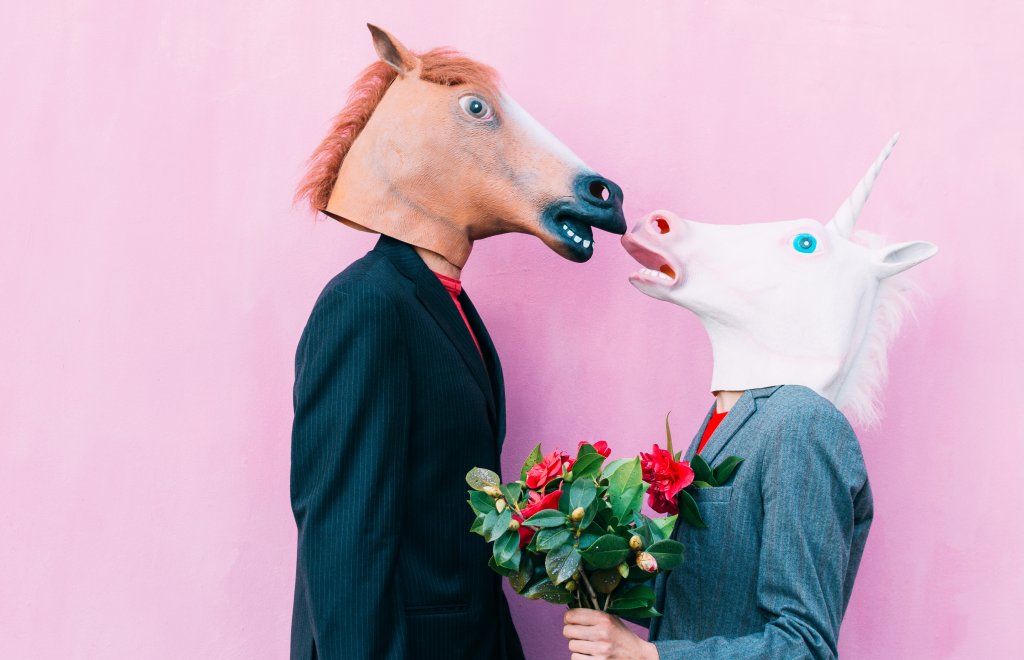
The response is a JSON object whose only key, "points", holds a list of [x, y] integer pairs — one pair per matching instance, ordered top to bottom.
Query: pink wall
{"points": [[155, 282]]}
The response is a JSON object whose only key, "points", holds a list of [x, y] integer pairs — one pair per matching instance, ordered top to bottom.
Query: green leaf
{"points": [[668, 435], [532, 459], [588, 463], [612, 467], [725, 469], [701, 470], [630, 475], [478, 478], [701, 484], [512, 492], [582, 493], [481, 502], [628, 503], [688, 510], [546, 518], [478, 524], [496, 524], [665, 525], [549, 539], [586, 540], [506, 550], [606, 552], [668, 554], [562, 562], [504, 572], [523, 576], [605, 582], [548, 591], [642, 593], [638, 613]]}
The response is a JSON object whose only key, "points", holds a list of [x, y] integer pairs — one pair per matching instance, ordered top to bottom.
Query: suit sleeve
{"points": [[348, 455], [811, 473]]}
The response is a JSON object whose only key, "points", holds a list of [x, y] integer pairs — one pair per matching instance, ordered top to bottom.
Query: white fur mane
{"points": [[859, 395]]}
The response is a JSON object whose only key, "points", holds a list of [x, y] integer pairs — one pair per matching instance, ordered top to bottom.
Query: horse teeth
{"points": [[565, 227], [569, 231], [577, 239], [586, 244]]}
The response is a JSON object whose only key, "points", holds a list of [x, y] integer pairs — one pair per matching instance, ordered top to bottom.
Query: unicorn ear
{"points": [[391, 50], [898, 257]]}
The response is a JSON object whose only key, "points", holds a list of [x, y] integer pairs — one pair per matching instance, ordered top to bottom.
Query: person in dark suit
{"points": [[398, 386]]}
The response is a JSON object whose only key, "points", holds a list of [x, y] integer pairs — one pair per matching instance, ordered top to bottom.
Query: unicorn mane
{"points": [[442, 66], [859, 395]]}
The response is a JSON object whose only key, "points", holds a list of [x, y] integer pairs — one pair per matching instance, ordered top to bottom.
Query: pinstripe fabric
{"points": [[393, 405], [772, 574]]}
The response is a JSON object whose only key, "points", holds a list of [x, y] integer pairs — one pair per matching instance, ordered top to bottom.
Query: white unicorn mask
{"points": [[792, 302]]}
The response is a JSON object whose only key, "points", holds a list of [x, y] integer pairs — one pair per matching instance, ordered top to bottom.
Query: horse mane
{"points": [[442, 66], [860, 392]]}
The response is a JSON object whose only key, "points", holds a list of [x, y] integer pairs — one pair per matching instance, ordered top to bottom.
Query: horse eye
{"points": [[475, 107], [805, 243]]}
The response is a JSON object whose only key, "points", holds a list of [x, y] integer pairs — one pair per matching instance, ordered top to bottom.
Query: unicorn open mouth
{"points": [[657, 268]]}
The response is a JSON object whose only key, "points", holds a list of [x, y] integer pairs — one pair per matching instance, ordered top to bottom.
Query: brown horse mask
{"points": [[429, 151]]}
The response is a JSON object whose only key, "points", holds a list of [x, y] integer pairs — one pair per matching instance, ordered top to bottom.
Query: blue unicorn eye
{"points": [[805, 243]]}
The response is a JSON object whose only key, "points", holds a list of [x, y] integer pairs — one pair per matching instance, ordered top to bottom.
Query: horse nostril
{"points": [[599, 191], [662, 225]]}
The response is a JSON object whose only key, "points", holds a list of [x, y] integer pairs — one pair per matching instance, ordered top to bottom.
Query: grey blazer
{"points": [[772, 574]]}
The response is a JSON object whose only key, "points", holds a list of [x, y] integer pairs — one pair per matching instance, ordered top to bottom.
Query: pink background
{"points": [[155, 281]]}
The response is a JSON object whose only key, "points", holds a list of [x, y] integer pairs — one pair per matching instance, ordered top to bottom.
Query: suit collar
{"points": [[439, 304], [733, 422]]}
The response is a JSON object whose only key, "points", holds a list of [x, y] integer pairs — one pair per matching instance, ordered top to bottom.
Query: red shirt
{"points": [[454, 288], [716, 419]]}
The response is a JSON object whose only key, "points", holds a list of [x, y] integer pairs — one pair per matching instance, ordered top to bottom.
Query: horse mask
{"points": [[430, 151], [791, 302]]}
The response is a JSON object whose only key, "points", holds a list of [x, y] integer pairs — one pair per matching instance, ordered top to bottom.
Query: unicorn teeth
{"points": [[586, 243], [657, 274]]}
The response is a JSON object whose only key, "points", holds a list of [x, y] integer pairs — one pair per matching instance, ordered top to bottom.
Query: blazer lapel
{"points": [[439, 304], [490, 354], [733, 422], [700, 434]]}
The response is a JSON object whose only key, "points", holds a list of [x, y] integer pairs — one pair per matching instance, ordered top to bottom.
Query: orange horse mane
{"points": [[442, 66]]}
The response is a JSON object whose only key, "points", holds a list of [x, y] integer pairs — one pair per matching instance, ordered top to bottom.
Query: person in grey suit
{"points": [[799, 314], [771, 575]]}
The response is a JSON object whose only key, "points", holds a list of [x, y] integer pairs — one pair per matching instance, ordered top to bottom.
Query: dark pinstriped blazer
{"points": [[393, 405], [772, 575]]}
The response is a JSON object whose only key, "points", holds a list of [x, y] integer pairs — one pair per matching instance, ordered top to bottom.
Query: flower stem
{"points": [[590, 590]]}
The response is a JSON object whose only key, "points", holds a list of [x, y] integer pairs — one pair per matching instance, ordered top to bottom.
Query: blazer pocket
{"points": [[714, 494], [431, 610]]}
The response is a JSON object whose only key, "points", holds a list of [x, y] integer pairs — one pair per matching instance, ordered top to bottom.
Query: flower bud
{"points": [[493, 491], [500, 505], [577, 514], [513, 524], [636, 543], [645, 561], [623, 569], [570, 585]]}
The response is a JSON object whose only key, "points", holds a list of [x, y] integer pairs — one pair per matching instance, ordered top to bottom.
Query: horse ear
{"points": [[391, 50], [898, 257]]}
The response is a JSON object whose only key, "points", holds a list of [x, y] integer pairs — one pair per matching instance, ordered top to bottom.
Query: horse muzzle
{"points": [[596, 202]]}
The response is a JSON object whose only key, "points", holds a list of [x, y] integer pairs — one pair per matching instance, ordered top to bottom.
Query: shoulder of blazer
{"points": [[370, 277], [810, 419]]}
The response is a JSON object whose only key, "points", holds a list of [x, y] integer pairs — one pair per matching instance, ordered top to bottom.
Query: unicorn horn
{"points": [[846, 217]]}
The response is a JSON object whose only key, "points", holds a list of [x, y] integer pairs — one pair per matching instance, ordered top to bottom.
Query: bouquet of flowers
{"points": [[571, 530]]}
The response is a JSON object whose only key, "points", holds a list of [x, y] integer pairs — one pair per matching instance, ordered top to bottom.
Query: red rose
{"points": [[601, 446], [550, 467], [666, 477], [549, 501]]}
